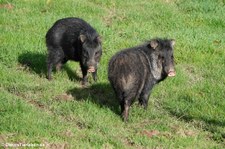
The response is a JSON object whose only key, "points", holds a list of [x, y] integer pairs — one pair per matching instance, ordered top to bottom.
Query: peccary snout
{"points": [[165, 56], [91, 58], [91, 65], [171, 73]]}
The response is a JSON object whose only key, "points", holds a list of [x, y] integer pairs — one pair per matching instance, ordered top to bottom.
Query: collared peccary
{"points": [[73, 39], [133, 72]]}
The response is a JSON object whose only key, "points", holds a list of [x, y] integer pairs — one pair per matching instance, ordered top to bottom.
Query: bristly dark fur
{"points": [[73, 39], [134, 71]]}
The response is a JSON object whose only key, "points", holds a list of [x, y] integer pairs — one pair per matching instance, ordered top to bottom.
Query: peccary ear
{"points": [[82, 37], [99, 39], [172, 42], [154, 44]]}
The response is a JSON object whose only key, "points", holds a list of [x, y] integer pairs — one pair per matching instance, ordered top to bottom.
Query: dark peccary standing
{"points": [[73, 39], [133, 72]]}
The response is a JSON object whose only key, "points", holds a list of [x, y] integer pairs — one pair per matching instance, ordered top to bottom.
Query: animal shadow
{"points": [[34, 61], [37, 63], [99, 93], [211, 125]]}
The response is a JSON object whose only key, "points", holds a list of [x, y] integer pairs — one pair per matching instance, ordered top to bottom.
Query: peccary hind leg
{"points": [[54, 59], [59, 65], [49, 67], [125, 103], [125, 113]]}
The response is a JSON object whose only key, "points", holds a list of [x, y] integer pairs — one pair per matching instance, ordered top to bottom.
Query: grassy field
{"points": [[187, 111]]}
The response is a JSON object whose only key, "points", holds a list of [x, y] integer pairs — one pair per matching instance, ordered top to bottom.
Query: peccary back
{"points": [[133, 72]]}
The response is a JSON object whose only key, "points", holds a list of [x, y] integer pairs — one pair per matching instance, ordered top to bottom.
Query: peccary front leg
{"points": [[94, 75], [85, 77], [144, 96], [143, 100]]}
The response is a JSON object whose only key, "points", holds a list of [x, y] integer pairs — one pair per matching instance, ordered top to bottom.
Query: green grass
{"points": [[187, 111]]}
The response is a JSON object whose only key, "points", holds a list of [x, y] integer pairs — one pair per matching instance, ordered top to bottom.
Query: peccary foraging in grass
{"points": [[73, 39], [133, 72]]}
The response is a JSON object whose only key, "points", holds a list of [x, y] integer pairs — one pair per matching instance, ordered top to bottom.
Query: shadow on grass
{"points": [[34, 61], [37, 63], [100, 93], [206, 120], [210, 125]]}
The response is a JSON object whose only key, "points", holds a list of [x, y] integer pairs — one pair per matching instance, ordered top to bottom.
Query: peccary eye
{"points": [[97, 53], [161, 58]]}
